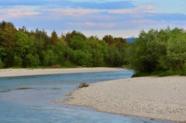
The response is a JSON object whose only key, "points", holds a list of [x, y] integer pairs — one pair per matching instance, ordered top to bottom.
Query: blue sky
{"points": [[124, 18]]}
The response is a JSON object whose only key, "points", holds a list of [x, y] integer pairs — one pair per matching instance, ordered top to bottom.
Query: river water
{"points": [[33, 99]]}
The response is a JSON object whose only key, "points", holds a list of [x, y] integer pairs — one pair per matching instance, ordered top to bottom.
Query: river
{"points": [[32, 99]]}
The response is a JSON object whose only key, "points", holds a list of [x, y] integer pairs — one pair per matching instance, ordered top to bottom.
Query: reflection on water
{"points": [[32, 99]]}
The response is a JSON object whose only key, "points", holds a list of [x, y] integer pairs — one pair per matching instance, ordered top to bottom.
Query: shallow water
{"points": [[33, 99]]}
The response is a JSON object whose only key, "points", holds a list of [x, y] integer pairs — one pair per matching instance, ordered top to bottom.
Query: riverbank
{"points": [[31, 72], [152, 97]]}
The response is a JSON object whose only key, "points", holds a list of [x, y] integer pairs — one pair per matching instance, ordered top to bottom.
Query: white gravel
{"points": [[152, 97]]}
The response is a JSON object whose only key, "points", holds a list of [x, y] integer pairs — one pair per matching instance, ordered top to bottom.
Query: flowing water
{"points": [[33, 99]]}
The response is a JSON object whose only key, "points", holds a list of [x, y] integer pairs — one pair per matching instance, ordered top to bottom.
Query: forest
{"points": [[20, 48], [154, 52], [159, 52]]}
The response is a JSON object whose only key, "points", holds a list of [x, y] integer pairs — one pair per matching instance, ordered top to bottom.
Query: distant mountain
{"points": [[130, 39]]}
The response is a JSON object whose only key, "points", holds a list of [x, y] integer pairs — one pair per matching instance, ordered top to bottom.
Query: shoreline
{"points": [[51, 71], [161, 98]]}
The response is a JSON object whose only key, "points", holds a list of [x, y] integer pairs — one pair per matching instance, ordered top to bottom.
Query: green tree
{"points": [[54, 37], [108, 39], [176, 50], [145, 53], [49, 58], [81, 58], [32, 60], [17, 61]]}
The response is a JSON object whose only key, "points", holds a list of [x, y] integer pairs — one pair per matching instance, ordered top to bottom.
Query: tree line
{"points": [[27, 49], [159, 52]]}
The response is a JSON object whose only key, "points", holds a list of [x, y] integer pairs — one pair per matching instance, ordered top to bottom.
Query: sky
{"points": [[124, 18]]}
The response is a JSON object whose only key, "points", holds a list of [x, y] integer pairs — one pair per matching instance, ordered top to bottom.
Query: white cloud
{"points": [[135, 10], [18, 11], [24, 11], [73, 11], [85, 11]]}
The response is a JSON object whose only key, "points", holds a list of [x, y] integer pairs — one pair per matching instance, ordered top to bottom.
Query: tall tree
{"points": [[54, 37], [108, 39]]}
